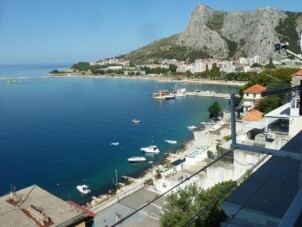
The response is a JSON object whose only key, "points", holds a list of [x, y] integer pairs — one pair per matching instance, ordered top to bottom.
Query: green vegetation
{"points": [[216, 22], [287, 30], [232, 46], [166, 48], [81, 66], [56, 71], [269, 103], [214, 109], [185, 203]]}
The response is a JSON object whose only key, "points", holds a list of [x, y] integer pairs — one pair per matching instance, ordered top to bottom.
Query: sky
{"points": [[69, 31]]}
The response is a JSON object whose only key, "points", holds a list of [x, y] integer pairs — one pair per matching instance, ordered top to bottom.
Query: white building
{"points": [[252, 95]]}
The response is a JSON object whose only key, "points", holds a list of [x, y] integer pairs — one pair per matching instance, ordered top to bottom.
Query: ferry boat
{"points": [[161, 94], [151, 149], [136, 159], [83, 189]]}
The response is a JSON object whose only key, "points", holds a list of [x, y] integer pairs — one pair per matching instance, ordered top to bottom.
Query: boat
{"points": [[179, 92], [161, 94], [169, 96], [136, 121], [192, 127], [171, 141], [115, 144], [151, 149], [136, 159], [83, 189]]}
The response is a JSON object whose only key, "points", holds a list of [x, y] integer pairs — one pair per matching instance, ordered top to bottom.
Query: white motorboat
{"points": [[180, 92], [170, 96], [136, 121], [192, 127], [171, 141], [115, 144], [151, 149], [136, 159], [83, 189]]}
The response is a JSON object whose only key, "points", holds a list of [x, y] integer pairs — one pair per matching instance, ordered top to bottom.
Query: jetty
{"points": [[212, 94]]}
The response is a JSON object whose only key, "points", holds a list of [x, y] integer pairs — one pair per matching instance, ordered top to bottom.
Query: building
{"points": [[296, 78], [251, 95], [264, 199], [34, 206]]}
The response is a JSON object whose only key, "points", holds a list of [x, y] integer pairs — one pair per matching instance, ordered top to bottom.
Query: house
{"points": [[296, 78], [251, 95], [33, 206]]}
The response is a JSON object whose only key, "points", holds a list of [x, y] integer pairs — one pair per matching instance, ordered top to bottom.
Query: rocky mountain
{"points": [[224, 35]]}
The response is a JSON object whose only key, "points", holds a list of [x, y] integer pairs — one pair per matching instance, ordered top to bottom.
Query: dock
{"points": [[211, 94]]}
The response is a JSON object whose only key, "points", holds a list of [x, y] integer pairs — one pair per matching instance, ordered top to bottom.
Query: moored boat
{"points": [[161, 94], [169, 97], [136, 121], [192, 127], [171, 141], [151, 149], [136, 159], [83, 189]]}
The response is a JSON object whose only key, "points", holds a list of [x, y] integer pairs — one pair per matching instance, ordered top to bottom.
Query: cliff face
{"points": [[247, 33], [199, 35]]}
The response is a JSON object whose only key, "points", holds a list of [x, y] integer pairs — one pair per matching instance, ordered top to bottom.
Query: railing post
{"points": [[233, 120]]}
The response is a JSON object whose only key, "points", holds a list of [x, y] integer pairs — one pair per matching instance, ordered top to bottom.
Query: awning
{"points": [[281, 112], [260, 124]]}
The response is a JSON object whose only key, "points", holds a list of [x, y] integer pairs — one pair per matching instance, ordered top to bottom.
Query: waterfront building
{"points": [[252, 95], [34, 206]]}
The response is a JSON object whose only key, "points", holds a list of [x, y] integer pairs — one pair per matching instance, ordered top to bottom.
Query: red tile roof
{"points": [[299, 73], [256, 88], [253, 115], [85, 210]]}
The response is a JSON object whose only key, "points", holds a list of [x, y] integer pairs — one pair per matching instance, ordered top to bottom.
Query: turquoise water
{"points": [[56, 132]]}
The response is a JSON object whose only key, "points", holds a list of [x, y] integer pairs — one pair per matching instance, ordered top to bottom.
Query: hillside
{"points": [[226, 35]]}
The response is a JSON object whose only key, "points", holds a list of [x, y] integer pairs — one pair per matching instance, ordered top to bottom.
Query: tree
{"points": [[172, 68], [269, 103], [214, 109], [185, 203]]}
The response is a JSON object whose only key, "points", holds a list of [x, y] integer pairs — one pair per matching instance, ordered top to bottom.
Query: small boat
{"points": [[179, 92], [169, 97], [136, 121], [192, 127], [171, 141], [115, 144], [151, 149], [136, 159], [83, 189]]}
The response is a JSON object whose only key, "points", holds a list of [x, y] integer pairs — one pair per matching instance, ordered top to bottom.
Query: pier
{"points": [[211, 94]]}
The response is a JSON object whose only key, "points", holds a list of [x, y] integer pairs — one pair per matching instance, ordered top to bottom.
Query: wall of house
{"points": [[294, 125]]}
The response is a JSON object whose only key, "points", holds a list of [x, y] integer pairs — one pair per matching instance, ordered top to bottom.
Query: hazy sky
{"points": [[68, 31]]}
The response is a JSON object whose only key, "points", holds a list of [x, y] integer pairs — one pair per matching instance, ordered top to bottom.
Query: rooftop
{"points": [[299, 73], [256, 88], [253, 115], [272, 188], [24, 207]]}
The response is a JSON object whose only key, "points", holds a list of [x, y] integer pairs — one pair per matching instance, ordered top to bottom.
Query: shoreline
{"points": [[155, 78]]}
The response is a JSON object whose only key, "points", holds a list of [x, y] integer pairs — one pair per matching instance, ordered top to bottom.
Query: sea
{"points": [[56, 132]]}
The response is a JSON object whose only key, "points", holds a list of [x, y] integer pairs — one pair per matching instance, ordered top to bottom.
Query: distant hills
{"points": [[224, 35]]}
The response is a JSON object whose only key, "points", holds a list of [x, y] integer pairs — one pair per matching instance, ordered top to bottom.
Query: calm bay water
{"points": [[56, 132]]}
